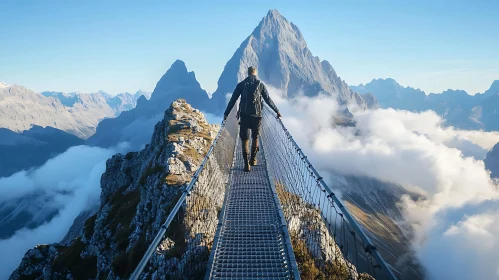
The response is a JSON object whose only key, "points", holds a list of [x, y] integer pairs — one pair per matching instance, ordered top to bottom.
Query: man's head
{"points": [[252, 70]]}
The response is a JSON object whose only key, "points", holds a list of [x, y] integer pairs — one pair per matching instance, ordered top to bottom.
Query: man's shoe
{"points": [[254, 151], [253, 161], [247, 167]]}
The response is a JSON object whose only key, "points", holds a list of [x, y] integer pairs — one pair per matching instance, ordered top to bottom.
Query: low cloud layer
{"points": [[417, 152], [68, 183]]}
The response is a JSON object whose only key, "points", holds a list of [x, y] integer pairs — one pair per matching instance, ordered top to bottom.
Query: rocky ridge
{"points": [[138, 191]]}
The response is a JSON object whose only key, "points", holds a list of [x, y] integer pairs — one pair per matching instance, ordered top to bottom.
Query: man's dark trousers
{"points": [[247, 124]]}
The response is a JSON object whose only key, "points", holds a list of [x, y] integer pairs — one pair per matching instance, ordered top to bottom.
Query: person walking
{"points": [[252, 91]]}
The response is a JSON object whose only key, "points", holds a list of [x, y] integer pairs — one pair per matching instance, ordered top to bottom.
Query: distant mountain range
{"points": [[120, 102], [457, 107], [75, 113]]}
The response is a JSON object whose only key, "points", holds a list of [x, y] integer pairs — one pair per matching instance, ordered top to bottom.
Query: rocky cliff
{"points": [[492, 161], [138, 191], [375, 206], [316, 251]]}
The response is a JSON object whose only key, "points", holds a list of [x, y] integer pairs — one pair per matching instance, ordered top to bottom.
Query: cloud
{"points": [[213, 119], [417, 152], [69, 183], [465, 250]]}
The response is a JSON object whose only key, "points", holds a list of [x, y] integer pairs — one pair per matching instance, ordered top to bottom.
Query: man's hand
{"points": [[279, 115]]}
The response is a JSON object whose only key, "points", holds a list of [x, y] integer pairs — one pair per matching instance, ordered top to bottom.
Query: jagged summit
{"points": [[274, 13], [274, 25], [279, 51], [176, 76], [385, 80], [176, 83], [494, 89], [456, 93], [141, 100]]}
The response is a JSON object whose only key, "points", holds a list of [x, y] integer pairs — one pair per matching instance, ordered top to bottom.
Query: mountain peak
{"points": [[274, 13], [273, 16], [275, 26], [278, 50], [178, 65], [177, 76], [387, 81], [494, 88], [105, 94], [146, 94]]}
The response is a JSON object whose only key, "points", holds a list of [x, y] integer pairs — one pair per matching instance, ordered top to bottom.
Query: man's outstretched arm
{"points": [[268, 100], [232, 102]]}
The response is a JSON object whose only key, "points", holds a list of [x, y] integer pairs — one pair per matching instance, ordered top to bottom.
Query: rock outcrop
{"points": [[492, 161], [139, 190], [316, 252]]}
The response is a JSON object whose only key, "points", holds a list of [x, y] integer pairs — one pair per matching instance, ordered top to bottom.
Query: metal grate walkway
{"points": [[252, 241]]}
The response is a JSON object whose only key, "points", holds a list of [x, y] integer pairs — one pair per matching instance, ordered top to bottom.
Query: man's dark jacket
{"points": [[251, 91]]}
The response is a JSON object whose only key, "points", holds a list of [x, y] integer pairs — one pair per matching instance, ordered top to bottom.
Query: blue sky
{"points": [[119, 46]]}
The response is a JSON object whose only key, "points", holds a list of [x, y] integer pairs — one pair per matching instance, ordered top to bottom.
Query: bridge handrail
{"points": [[186, 192], [370, 248]]}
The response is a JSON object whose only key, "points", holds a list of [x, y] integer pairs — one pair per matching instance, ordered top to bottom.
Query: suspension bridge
{"points": [[279, 221]]}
